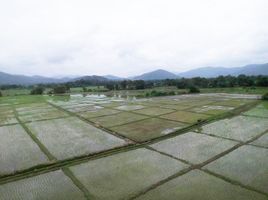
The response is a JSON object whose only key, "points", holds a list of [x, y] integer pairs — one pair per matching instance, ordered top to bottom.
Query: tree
{"points": [[262, 81], [139, 85], [61, 89], [84, 89], [193, 89], [37, 90], [1, 94], [265, 97]]}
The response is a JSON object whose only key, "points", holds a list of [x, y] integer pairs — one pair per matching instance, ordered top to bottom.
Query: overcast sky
{"points": [[129, 37]]}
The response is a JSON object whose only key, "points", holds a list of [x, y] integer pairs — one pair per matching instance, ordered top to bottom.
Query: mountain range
{"points": [[160, 74]]}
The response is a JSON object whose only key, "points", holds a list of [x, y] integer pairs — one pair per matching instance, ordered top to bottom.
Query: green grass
{"points": [[236, 90], [15, 92], [153, 111], [98, 113], [186, 117], [117, 119], [148, 129]]}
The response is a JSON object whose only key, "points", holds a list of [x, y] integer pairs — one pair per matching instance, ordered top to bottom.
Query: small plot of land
{"points": [[232, 102], [129, 107], [176, 107], [211, 109], [154, 111], [259, 111], [35, 112], [98, 113], [7, 116], [186, 117], [7, 119], [117, 119], [240, 128], [148, 129], [71, 137], [262, 141], [193, 147], [18, 151], [247, 164], [126, 174], [53, 185]]}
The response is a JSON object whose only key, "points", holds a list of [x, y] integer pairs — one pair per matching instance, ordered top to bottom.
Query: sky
{"points": [[130, 37]]}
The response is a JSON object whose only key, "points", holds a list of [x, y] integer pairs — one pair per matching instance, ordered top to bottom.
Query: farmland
{"points": [[201, 146]]}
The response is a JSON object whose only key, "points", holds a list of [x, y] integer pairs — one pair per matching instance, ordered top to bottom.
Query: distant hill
{"points": [[254, 69], [208, 72], [159, 74], [91, 78], [113, 78], [9, 79]]}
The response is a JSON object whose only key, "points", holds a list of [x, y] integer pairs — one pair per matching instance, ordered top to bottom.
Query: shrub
{"points": [[61, 89], [84, 89], [193, 89], [37, 90], [50, 92], [155, 93], [171, 93], [265, 97]]}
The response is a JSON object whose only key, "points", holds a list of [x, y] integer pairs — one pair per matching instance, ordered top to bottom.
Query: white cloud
{"points": [[64, 37]]}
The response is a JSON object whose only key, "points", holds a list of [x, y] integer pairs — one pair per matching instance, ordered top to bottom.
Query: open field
{"points": [[204, 146]]}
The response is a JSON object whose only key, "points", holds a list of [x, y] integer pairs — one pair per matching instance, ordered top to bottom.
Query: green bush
{"points": [[61, 89], [84, 89], [193, 89], [37, 90], [50, 92], [155, 93], [265, 97]]}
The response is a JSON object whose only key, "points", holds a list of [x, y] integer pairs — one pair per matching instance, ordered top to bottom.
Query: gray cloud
{"points": [[64, 37]]}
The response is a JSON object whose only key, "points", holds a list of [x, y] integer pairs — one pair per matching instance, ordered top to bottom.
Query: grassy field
{"points": [[108, 147]]}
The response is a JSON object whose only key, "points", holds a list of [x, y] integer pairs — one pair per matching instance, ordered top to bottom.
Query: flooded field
{"points": [[206, 146]]}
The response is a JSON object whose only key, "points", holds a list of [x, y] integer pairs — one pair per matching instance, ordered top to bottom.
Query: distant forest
{"points": [[182, 83]]}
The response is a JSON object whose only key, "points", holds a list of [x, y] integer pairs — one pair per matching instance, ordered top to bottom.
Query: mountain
{"points": [[254, 69], [208, 72], [159, 74], [91, 78], [113, 78], [8, 79]]}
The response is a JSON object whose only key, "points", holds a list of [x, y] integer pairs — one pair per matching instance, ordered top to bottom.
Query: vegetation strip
{"points": [[70, 174]]}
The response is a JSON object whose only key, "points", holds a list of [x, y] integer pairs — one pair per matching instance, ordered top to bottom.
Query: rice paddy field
{"points": [[204, 146]]}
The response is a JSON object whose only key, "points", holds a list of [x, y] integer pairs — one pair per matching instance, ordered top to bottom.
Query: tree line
{"points": [[181, 83]]}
